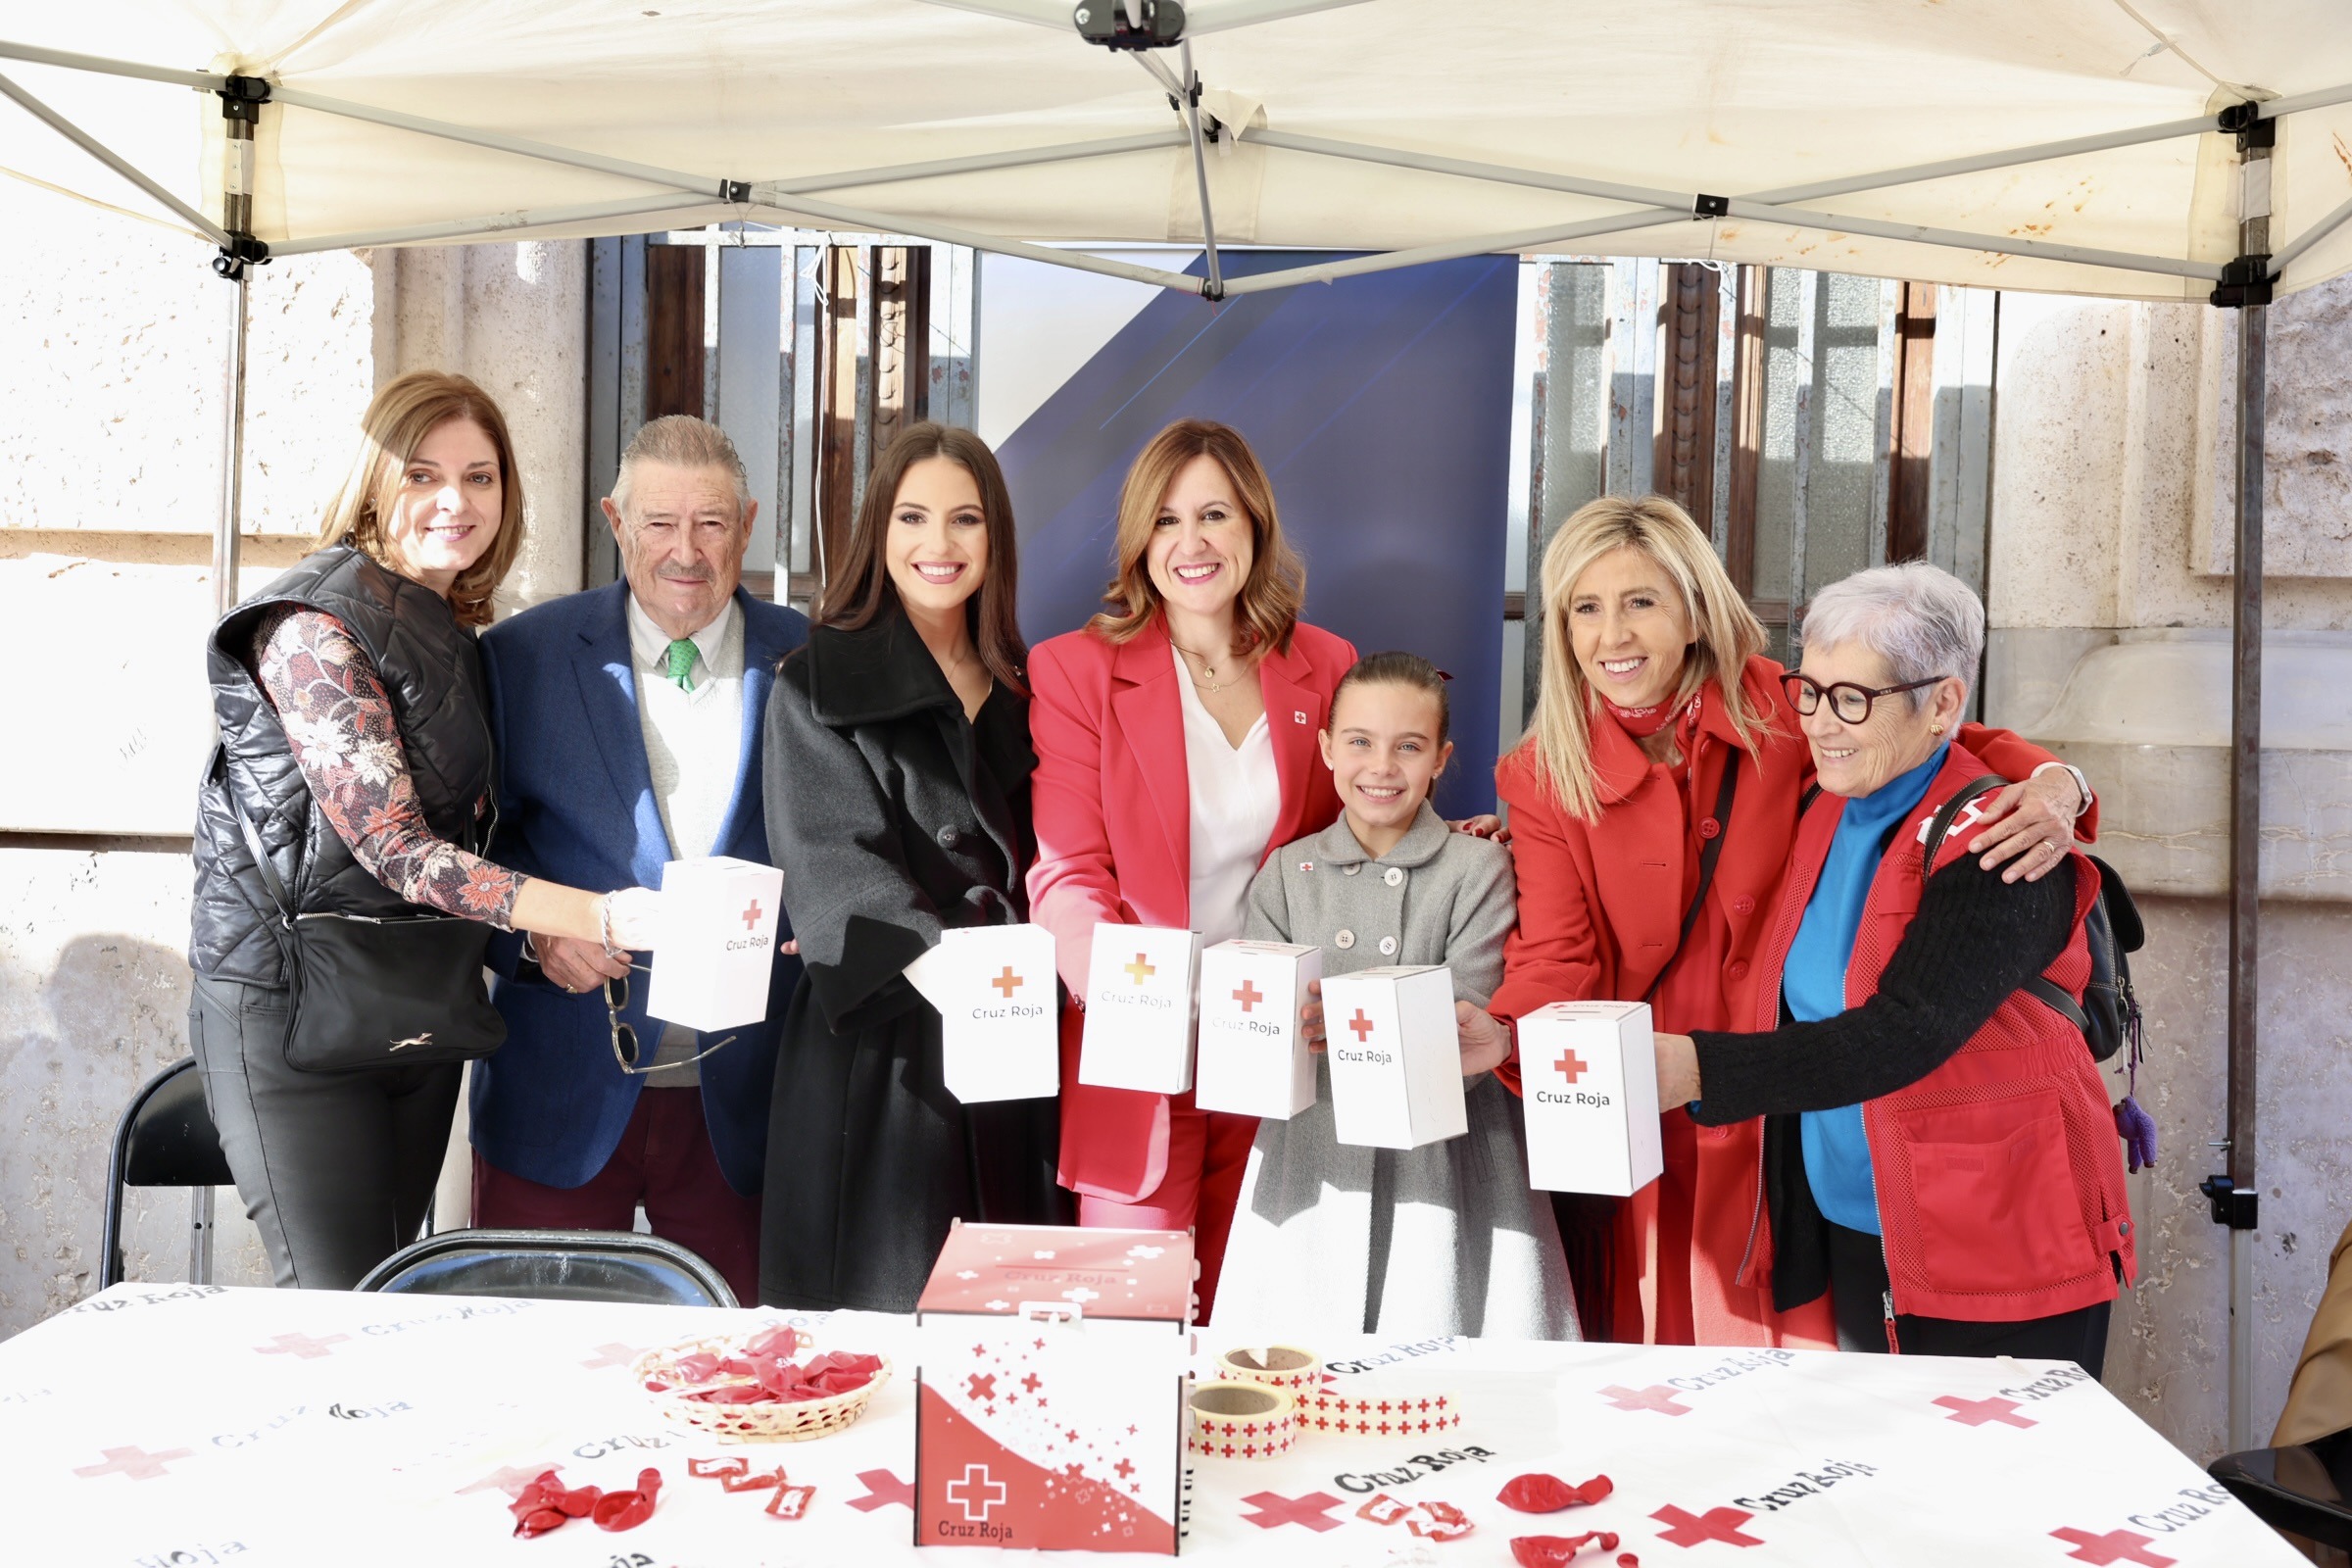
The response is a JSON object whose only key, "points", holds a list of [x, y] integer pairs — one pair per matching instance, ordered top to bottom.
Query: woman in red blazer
{"points": [[1201, 648], [1614, 798]]}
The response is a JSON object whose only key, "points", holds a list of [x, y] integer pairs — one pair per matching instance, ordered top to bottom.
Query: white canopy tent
{"points": [[2141, 149]]}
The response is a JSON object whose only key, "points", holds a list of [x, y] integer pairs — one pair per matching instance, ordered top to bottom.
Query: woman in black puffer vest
{"points": [[353, 739]]}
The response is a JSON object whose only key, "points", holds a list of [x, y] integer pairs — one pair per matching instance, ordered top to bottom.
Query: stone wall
{"points": [[110, 474], [2109, 606]]}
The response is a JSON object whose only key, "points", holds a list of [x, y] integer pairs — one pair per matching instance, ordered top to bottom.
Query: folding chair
{"points": [[166, 1139], [554, 1266], [2301, 1489]]}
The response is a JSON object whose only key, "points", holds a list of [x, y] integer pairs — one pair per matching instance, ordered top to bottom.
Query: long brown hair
{"points": [[395, 425], [857, 595], [1266, 611], [1725, 634]]}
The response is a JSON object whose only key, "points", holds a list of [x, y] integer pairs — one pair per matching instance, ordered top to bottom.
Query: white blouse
{"points": [[1237, 797]]}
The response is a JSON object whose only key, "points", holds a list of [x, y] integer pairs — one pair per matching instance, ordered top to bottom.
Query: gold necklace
{"points": [[1200, 681]]}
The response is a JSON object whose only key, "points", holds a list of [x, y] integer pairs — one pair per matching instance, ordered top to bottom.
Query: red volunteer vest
{"points": [[2000, 1188]]}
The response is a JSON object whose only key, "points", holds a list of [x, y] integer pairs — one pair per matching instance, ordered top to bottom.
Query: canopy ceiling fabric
{"points": [[1685, 96]]}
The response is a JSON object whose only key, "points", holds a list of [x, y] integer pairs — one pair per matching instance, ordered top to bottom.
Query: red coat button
{"points": [[1710, 827], [1744, 904], [1738, 969]]}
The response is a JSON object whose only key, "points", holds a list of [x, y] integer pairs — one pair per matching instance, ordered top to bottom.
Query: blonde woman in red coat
{"points": [[1654, 683], [1175, 739]]}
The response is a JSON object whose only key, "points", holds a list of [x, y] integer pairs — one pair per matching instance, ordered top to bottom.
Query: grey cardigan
{"points": [[1448, 1239]]}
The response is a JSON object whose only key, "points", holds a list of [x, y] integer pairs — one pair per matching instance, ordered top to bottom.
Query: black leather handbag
{"points": [[369, 991]]}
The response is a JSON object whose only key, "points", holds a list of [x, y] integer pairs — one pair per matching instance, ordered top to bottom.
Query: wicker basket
{"points": [[762, 1421]]}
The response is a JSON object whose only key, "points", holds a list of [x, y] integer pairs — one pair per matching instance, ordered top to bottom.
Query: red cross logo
{"points": [[751, 915], [1138, 969], [1007, 982], [1248, 997], [1361, 1026], [1571, 1066], [301, 1345], [981, 1386], [1656, 1398], [1977, 1413], [135, 1463], [1125, 1468], [882, 1489], [976, 1494], [1275, 1510], [1684, 1529], [2116, 1545]]}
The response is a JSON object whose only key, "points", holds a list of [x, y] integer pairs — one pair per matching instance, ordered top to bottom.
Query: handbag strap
{"points": [[1710, 852], [271, 882]]}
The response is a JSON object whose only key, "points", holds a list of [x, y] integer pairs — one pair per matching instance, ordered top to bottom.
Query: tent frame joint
{"points": [[242, 97], [2247, 123], [1705, 206], [241, 252], [2247, 280]]}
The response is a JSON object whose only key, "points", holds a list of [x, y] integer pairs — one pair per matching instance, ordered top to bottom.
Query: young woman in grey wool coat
{"points": [[1332, 1238]]}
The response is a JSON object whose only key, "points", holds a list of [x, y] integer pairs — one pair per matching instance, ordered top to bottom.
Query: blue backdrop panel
{"points": [[1382, 407]]}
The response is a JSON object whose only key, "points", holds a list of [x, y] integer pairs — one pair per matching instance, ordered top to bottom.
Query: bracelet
{"points": [[2082, 784], [604, 920]]}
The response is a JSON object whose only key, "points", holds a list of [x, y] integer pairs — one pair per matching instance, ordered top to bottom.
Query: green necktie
{"points": [[681, 663]]}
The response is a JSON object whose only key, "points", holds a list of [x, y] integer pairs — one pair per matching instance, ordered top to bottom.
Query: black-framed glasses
{"points": [[1849, 702], [624, 1036]]}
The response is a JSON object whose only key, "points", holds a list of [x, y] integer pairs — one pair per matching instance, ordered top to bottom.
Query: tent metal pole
{"points": [[98, 65], [1190, 93], [2316, 98], [106, 155], [2008, 157], [1501, 173], [700, 184], [766, 191], [868, 222], [472, 227], [2310, 236], [1526, 239], [1958, 239], [226, 530], [2245, 855]]}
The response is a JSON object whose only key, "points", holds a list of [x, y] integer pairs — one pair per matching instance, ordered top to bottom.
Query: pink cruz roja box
{"points": [[1053, 1368]]}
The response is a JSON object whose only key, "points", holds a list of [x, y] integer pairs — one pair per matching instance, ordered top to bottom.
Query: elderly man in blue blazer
{"points": [[627, 725]]}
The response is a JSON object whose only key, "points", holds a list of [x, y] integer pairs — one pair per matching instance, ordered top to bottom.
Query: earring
{"points": [[1934, 729]]}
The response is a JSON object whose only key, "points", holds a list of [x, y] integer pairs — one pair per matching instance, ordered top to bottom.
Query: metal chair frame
{"points": [[136, 1136], [398, 1272]]}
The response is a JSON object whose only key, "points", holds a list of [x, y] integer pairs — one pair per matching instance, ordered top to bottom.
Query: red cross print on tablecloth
{"points": [[751, 914], [1140, 971], [1007, 982], [1248, 997], [1361, 1026], [1572, 1066], [301, 1345], [614, 1354], [980, 1385], [1657, 1397], [1977, 1413], [135, 1463], [1125, 1468], [882, 1489], [976, 1494], [1274, 1509], [1684, 1529], [2116, 1545]]}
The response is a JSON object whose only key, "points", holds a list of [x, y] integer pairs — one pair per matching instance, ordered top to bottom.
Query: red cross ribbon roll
{"points": [[1296, 1371], [1395, 1413], [1234, 1420]]}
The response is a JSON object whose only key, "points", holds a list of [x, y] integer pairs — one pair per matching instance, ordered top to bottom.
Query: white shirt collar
{"points": [[651, 644]]}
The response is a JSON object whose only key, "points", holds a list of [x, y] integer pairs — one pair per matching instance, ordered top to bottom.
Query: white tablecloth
{"points": [[154, 1426]]}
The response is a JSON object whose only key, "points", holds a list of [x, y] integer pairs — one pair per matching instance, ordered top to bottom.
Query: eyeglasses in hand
{"points": [[624, 1036]]}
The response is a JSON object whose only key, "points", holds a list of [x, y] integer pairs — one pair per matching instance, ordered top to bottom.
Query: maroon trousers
{"points": [[666, 1165]]}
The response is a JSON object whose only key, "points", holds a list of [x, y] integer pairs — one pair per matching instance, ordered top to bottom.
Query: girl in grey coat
{"points": [[1332, 1238]]}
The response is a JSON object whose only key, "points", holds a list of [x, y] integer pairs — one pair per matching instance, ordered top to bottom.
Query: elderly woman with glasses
{"points": [[1938, 1153]]}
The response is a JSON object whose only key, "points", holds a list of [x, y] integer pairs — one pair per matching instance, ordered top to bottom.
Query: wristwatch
{"points": [[2082, 784]]}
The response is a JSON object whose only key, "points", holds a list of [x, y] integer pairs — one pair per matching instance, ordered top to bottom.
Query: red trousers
{"points": [[1208, 1154], [666, 1165]]}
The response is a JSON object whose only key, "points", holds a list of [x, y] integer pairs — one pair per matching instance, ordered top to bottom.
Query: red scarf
{"points": [[1643, 722]]}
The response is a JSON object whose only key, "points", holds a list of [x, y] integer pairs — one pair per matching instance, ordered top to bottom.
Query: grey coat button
{"points": [[949, 837], [1351, 871], [1394, 876], [1343, 941], [1387, 947]]}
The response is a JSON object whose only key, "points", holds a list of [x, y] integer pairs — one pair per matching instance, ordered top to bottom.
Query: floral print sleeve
{"points": [[340, 724]]}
